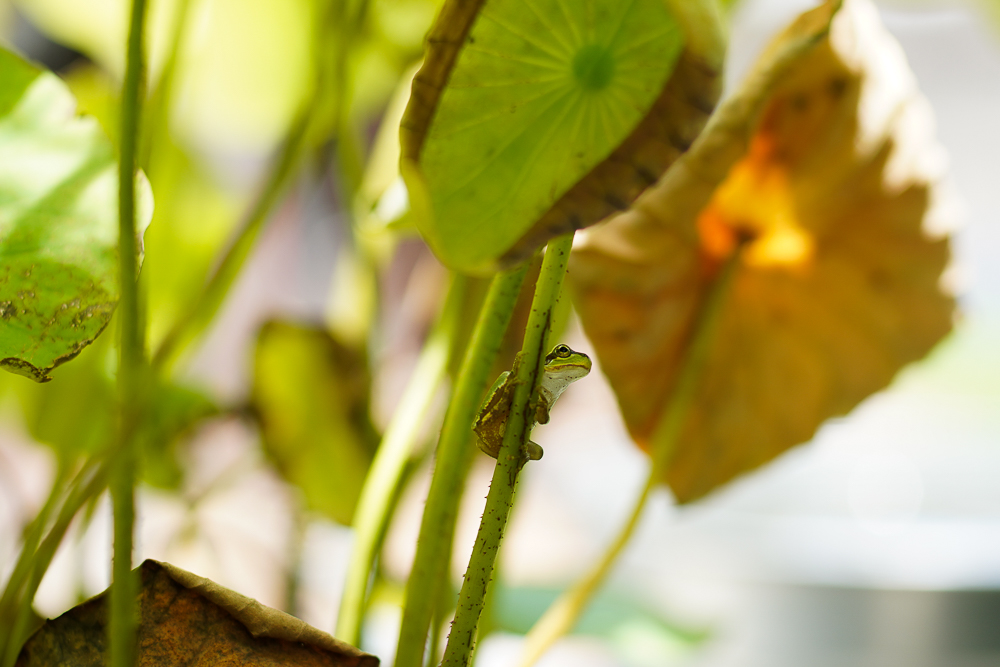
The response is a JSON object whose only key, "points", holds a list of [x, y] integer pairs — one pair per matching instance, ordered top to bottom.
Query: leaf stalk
{"points": [[527, 371], [454, 454], [563, 614]]}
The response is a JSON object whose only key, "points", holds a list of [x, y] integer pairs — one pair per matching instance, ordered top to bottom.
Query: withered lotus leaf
{"points": [[825, 160], [188, 621]]}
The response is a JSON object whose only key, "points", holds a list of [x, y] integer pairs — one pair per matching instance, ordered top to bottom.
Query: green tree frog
{"points": [[562, 366]]}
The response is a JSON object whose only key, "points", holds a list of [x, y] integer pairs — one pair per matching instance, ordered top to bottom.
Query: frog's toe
{"points": [[533, 451]]}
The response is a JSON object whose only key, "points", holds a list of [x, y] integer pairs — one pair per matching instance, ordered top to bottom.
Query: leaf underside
{"points": [[519, 105]]}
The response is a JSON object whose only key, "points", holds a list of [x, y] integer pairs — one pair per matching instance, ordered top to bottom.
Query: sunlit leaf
{"points": [[527, 121], [825, 159], [58, 223], [311, 396], [186, 620]]}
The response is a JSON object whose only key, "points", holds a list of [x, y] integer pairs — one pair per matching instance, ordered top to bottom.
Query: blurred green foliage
{"points": [[310, 394]]}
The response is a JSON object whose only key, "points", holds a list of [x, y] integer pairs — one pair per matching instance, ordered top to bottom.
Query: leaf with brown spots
{"points": [[825, 159], [58, 222], [189, 621]]}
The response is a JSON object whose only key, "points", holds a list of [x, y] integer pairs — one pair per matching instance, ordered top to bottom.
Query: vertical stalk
{"points": [[454, 451], [393, 452], [511, 458], [563, 614], [122, 628]]}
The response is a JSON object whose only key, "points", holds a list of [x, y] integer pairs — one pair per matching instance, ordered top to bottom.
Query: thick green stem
{"points": [[454, 452], [511, 458], [390, 461], [560, 618], [123, 621]]}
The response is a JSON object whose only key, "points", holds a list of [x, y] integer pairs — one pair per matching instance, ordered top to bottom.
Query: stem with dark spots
{"points": [[527, 372], [453, 456], [564, 613]]}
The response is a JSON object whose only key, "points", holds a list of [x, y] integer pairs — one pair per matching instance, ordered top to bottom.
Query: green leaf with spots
{"points": [[531, 119], [58, 222]]}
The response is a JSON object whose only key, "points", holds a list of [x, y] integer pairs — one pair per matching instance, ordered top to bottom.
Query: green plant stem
{"points": [[308, 123], [157, 125], [197, 318], [454, 453], [391, 457], [511, 458], [34, 562], [563, 614], [123, 621]]}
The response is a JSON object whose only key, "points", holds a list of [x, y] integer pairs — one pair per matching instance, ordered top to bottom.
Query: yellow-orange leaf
{"points": [[824, 159], [189, 621]]}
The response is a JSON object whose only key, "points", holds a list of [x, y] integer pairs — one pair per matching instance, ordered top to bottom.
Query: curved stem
{"points": [[301, 135], [197, 318], [454, 452], [510, 459], [387, 468], [31, 566], [563, 614], [123, 618]]}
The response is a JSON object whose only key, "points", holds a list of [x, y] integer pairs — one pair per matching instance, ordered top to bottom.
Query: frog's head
{"points": [[566, 364]]}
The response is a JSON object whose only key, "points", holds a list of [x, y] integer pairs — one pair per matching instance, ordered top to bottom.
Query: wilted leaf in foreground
{"points": [[530, 120], [825, 159], [58, 223], [311, 395], [188, 621]]}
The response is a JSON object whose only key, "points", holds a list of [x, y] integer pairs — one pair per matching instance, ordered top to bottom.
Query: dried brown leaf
{"points": [[824, 158], [188, 621]]}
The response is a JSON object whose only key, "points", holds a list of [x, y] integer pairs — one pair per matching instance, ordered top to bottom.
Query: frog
{"points": [[563, 366]]}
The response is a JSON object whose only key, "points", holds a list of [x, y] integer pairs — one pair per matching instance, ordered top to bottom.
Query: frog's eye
{"points": [[563, 351]]}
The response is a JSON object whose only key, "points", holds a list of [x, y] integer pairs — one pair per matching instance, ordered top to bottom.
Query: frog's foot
{"points": [[532, 451]]}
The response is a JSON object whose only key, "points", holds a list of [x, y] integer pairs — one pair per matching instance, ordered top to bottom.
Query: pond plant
{"points": [[743, 269]]}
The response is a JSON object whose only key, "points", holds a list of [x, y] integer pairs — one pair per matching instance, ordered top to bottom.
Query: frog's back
{"points": [[492, 420]]}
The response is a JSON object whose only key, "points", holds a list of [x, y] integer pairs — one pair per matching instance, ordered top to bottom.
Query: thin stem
{"points": [[158, 106], [302, 134], [197, 318], [454, 452], [510, 459], [390, 461], [33, 563], [563, 614], [123, 625]]}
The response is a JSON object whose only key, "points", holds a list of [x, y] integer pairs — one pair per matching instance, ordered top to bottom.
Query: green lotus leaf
{"points": [[528, 120], [58, 222]]}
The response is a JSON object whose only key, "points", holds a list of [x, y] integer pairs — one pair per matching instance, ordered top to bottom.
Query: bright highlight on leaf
{"points": [[529, 120], [830, 177], [58, 223]]}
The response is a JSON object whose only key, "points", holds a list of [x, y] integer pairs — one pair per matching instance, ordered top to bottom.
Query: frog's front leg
{"points": [[539, 410], [532, 451]]}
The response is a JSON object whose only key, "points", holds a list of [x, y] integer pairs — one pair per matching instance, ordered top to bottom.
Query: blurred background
{"points": [[878, 543]]}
